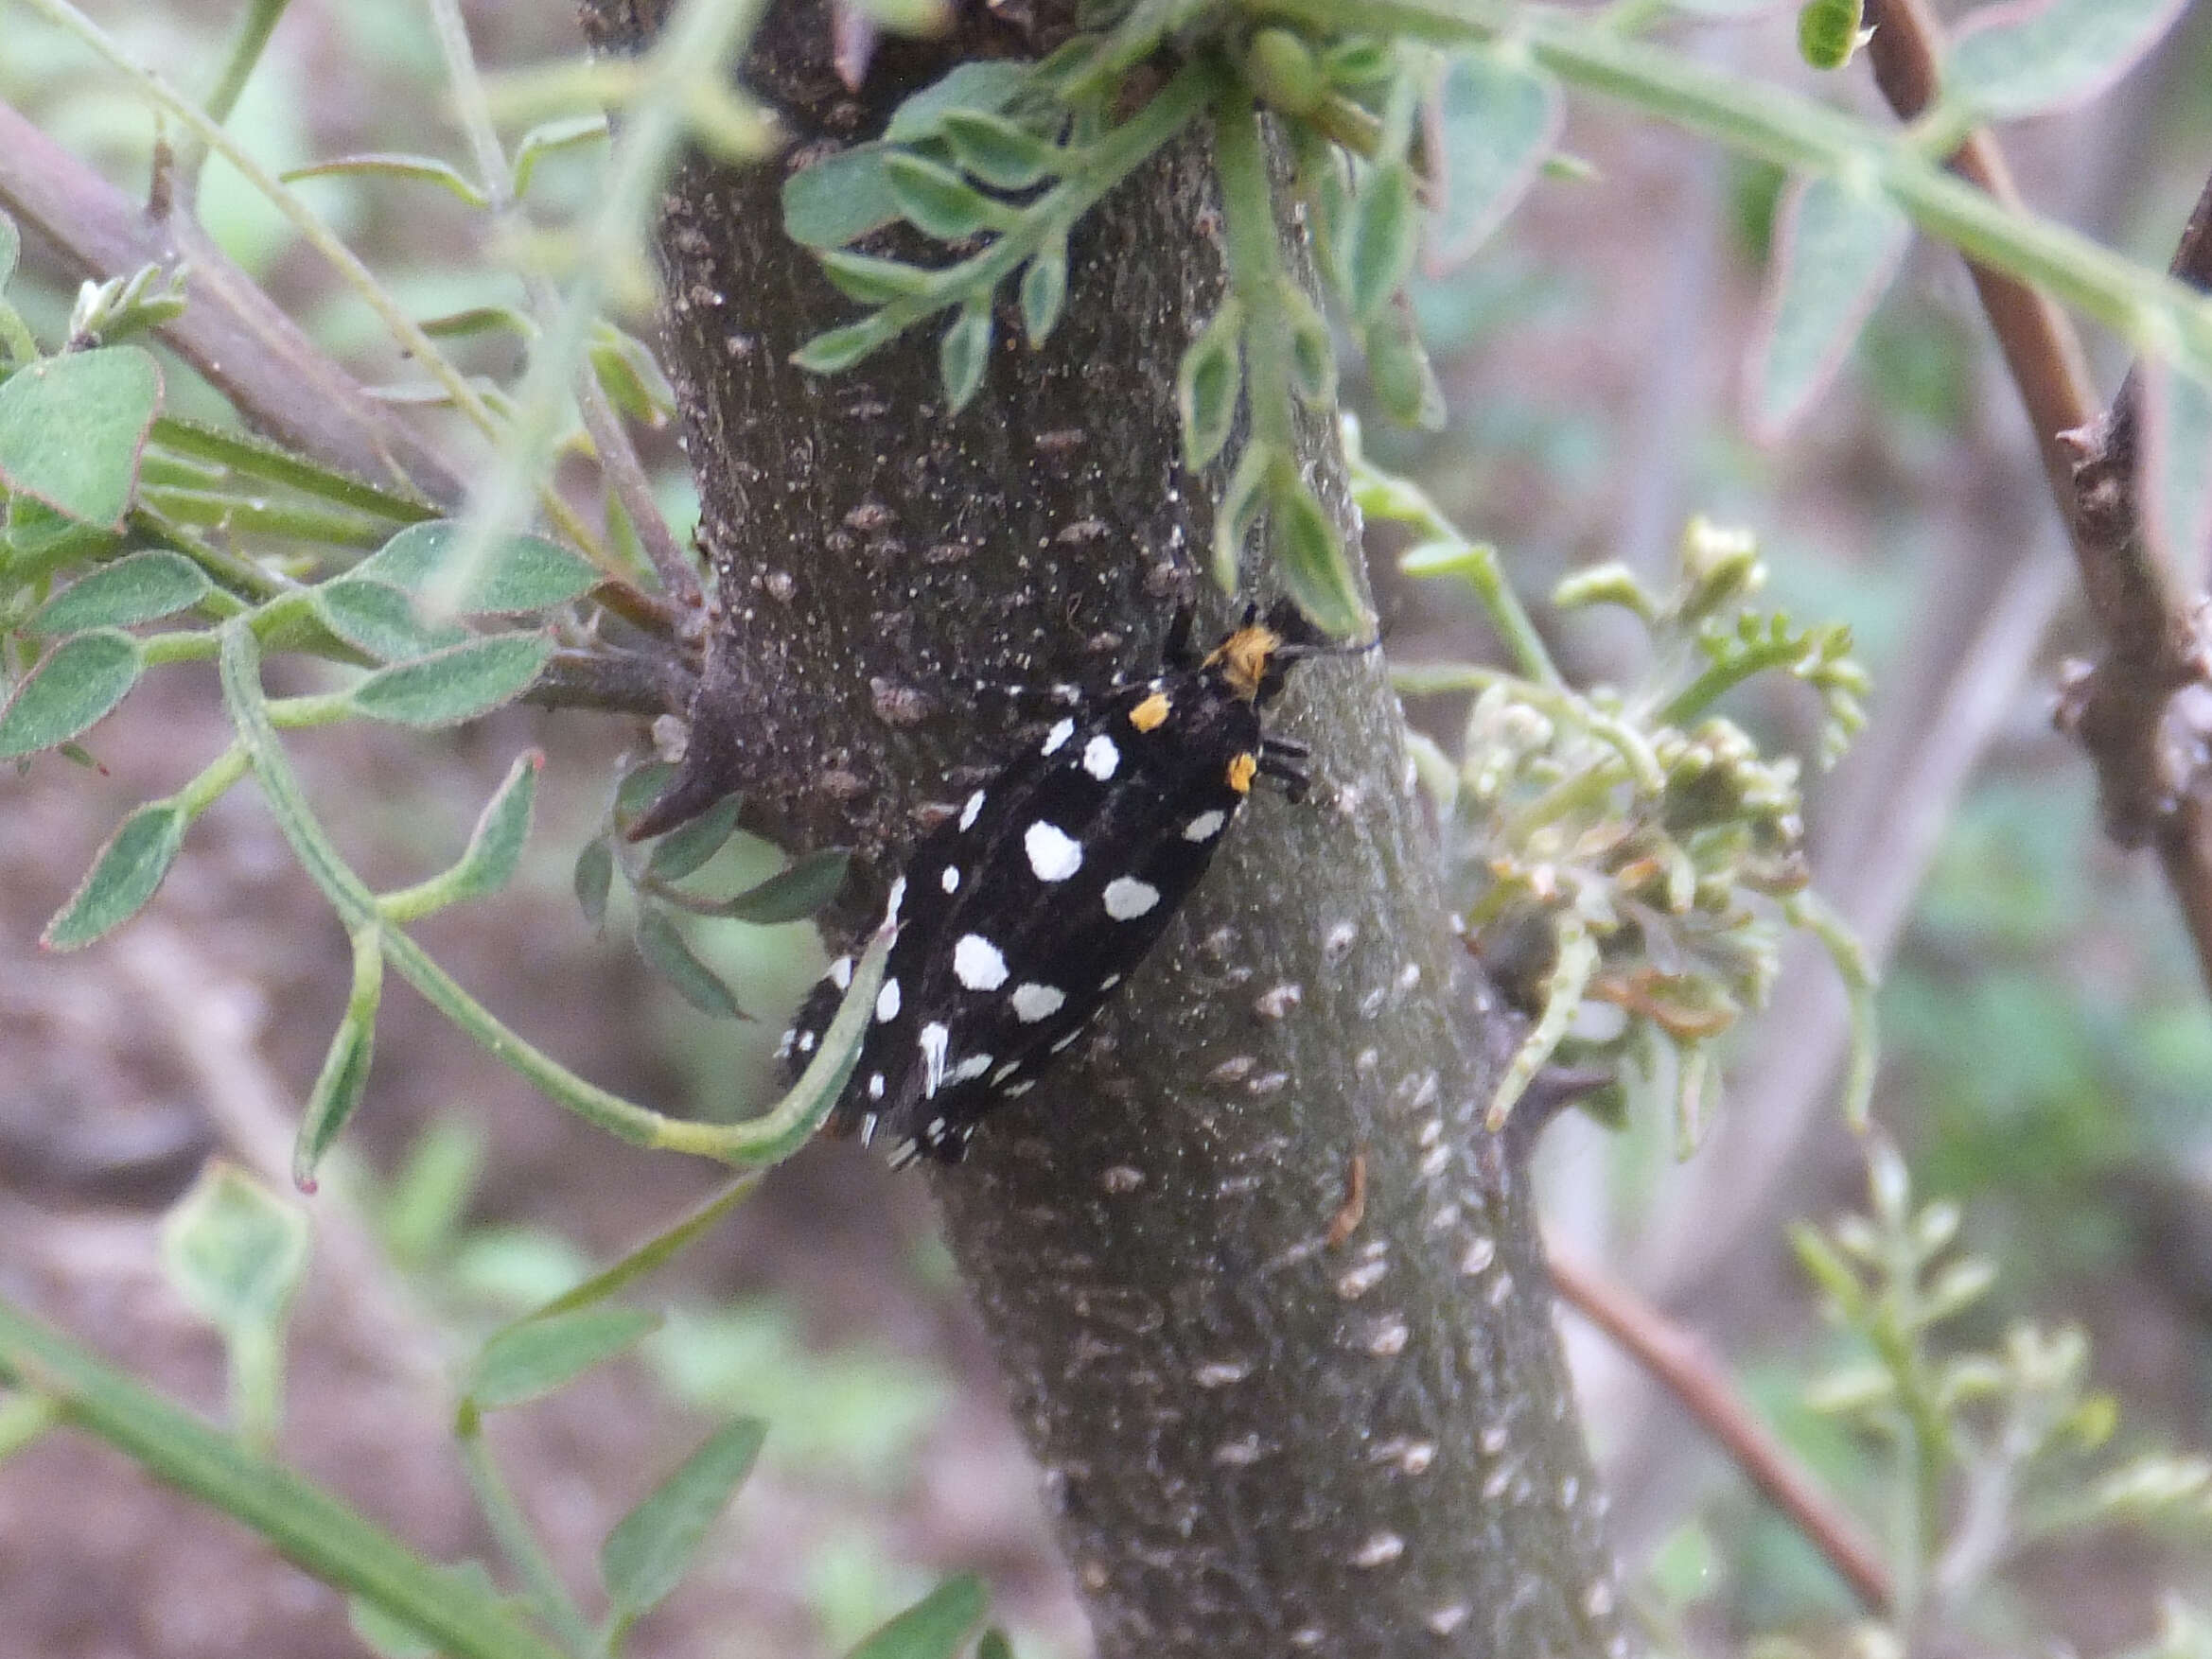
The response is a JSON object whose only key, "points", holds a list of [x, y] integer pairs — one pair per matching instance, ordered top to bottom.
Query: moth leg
{"points": [[1177, 654], [1288, 748], [1287, 770]]}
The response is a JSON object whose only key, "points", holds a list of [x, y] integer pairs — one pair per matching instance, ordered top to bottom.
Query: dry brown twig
{"points": [[2140, 711], [1686, 1368]]}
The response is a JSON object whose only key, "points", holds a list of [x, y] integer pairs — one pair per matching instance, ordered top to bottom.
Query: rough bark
{"points": [[1259, 1441]]}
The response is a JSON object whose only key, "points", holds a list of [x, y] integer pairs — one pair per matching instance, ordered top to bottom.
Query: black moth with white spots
{"points": [[1020, 914]]}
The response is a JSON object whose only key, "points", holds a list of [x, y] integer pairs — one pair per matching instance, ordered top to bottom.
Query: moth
{"points": [[1024, 910]]}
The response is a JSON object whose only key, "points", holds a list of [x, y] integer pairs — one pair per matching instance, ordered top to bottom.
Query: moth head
{"points": [[1255, 656]]}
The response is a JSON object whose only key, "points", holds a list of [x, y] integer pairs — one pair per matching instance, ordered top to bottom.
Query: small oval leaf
{"points": [[1829, 31], [2027, 57], [983, 83], [1501, 119], [997, 152], [839, 199], [935, 200], [1381, 238], [1836, 247], [870, 280], [1044, 290], [837, 349], [964, 354], [1313, 358], [1397, 366], [1208, 382], [73, 429], [1241, 504], [1312, 560], [519, 572], [141, 588], [381, 619], [456, 683], [73, 685], [495, 847], [683, 849], [123, 877], [593, 879], [791, 895], [666, 951], [338, 1088], [235, 1250], [537, 1355], [651, 1548], [932, 1628]]}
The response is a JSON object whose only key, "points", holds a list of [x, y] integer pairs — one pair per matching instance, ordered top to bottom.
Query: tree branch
{"points": [[230, 331], [2138, 712], [1255, 1444]]}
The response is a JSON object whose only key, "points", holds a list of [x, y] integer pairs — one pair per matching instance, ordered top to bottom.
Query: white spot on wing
{"points": [[1059, 735], [1101, 756], [968, 812], [1204, 827], [1053, 854], [950, 880], [1126, 898], [978, 963], [841, 973], [887, 1002], [1033, 1002], [935, 1038], [968, 1069], [1005, 1071], [875, 1087], [1011, 1089]]}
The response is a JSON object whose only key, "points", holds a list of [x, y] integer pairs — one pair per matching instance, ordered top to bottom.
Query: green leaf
{"points": [[907, 17], [1829, 31], [2027, 57], [1283, 72], [983, 85], [1501, 119], [550, 138], [995, 151], [426, 169], [839, 199], [937, 201], [1381, 238], [1836, 248], [874, 281], [1045, 289], [837, 349], [964, 354], [1313, 358], [1397, 366], [629, 373], [1208, 383], [73, 427], [2176, 489], [1241, 504], [1312, 560], [518, 573], [140, 588], [381, 619], [459, 683], [72, 687], [640, 787], [495, 847], [685, 849], [123, 877], [593, 879], [791, 895], [666, 951], [338, 1088], [235, 1250], [535, 1356], [651, 1548], [932, 1628], [394, 1638], [994, 1645]]}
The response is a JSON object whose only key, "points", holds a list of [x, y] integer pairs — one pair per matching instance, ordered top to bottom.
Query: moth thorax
{"points": [[1243, 658]]}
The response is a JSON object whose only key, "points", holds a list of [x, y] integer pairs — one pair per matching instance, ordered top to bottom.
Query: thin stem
{"points": [[254, 27], [1255, 265], [1682, 1365], [313, 1528], [519, 1542]]}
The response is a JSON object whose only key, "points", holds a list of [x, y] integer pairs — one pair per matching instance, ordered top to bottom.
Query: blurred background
{"points": [[2046, 1041]]}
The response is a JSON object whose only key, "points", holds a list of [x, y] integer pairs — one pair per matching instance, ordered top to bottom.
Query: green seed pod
{"points": [[1283, 73]]}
